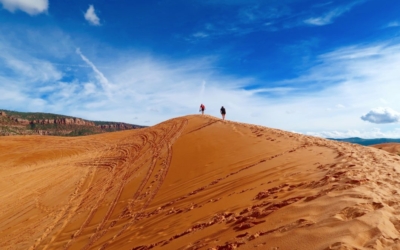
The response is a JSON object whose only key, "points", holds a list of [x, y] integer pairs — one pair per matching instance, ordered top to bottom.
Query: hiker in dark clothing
{"points": [[223, 112]]}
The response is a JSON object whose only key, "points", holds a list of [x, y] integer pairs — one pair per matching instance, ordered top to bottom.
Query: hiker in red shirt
{"points": [[202, 108]]}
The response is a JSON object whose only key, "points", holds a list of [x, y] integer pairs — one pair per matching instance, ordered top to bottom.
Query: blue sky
{"points": [[325, 68]]}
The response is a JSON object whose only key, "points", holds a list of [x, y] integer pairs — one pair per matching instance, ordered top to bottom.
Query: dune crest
{"points": [[197, 182]]}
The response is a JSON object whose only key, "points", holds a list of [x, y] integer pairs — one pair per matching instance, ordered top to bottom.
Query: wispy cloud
{"points": [[323, 4], [32, 7], [261, 13], [91, 16], [329, 16], [253, 17], [244, 18], [393, 24], [200, 35], [25, 68], [31, 75], [275, 90]]}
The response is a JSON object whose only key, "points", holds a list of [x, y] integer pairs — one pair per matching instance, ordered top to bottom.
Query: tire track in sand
{"points": [[154, 140], [166, 143], [119, 160], [107, 187], [71, 207], [100, 228]]}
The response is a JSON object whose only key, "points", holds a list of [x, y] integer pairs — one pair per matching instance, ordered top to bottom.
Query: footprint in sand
{"points": [[236, 130], [350, 213], [340, 246]]}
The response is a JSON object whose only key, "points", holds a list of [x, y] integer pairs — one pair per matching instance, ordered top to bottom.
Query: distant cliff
{"points": [[24, 123]]}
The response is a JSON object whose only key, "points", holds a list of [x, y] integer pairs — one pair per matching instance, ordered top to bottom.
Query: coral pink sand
{"points": [[393, 148], [197, 182]]}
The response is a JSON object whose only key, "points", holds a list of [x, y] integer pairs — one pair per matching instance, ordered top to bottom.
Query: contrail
{"points": [[103, 80], [202, 90]]}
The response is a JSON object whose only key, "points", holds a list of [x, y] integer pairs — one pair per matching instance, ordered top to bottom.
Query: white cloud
{"points": [[32, 7], [91, 16], [328, 17], [359, 76], [135, 84], [139, 85], [170, 89], [382, 115], [366, 134]]}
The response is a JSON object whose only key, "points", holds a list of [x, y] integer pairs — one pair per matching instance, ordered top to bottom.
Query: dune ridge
{"points": [[197, 182]]}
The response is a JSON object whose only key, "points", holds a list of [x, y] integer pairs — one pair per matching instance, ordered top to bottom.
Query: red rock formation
{"points": [[21, 121], [44, 121], [64, 121], [74, 121], [58, 126], [119, 126]]}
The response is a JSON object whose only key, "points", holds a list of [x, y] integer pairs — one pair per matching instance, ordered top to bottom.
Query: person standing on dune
{"points": [[202, 108], [223, 112]]}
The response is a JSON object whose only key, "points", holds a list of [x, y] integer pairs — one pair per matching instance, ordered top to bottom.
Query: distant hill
{"points": [[27, 123], [367, 142]]}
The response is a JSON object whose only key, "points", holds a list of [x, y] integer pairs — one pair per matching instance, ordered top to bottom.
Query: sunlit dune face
{"points": [[196, 182]]}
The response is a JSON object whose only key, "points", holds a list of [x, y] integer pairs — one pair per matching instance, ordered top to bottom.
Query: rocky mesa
{"points": [[19, 123]]}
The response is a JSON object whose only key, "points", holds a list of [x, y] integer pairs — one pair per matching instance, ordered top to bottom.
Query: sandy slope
{"points": [[393, 148], [197, 182]]}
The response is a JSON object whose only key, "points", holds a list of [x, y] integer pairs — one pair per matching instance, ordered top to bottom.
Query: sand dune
{"points": [[393, 148], [197, 182]]}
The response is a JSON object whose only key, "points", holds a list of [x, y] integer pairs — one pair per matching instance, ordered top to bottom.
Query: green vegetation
{"points": [[34, 116], [102, 123], [9, 130], [81, 132]]}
